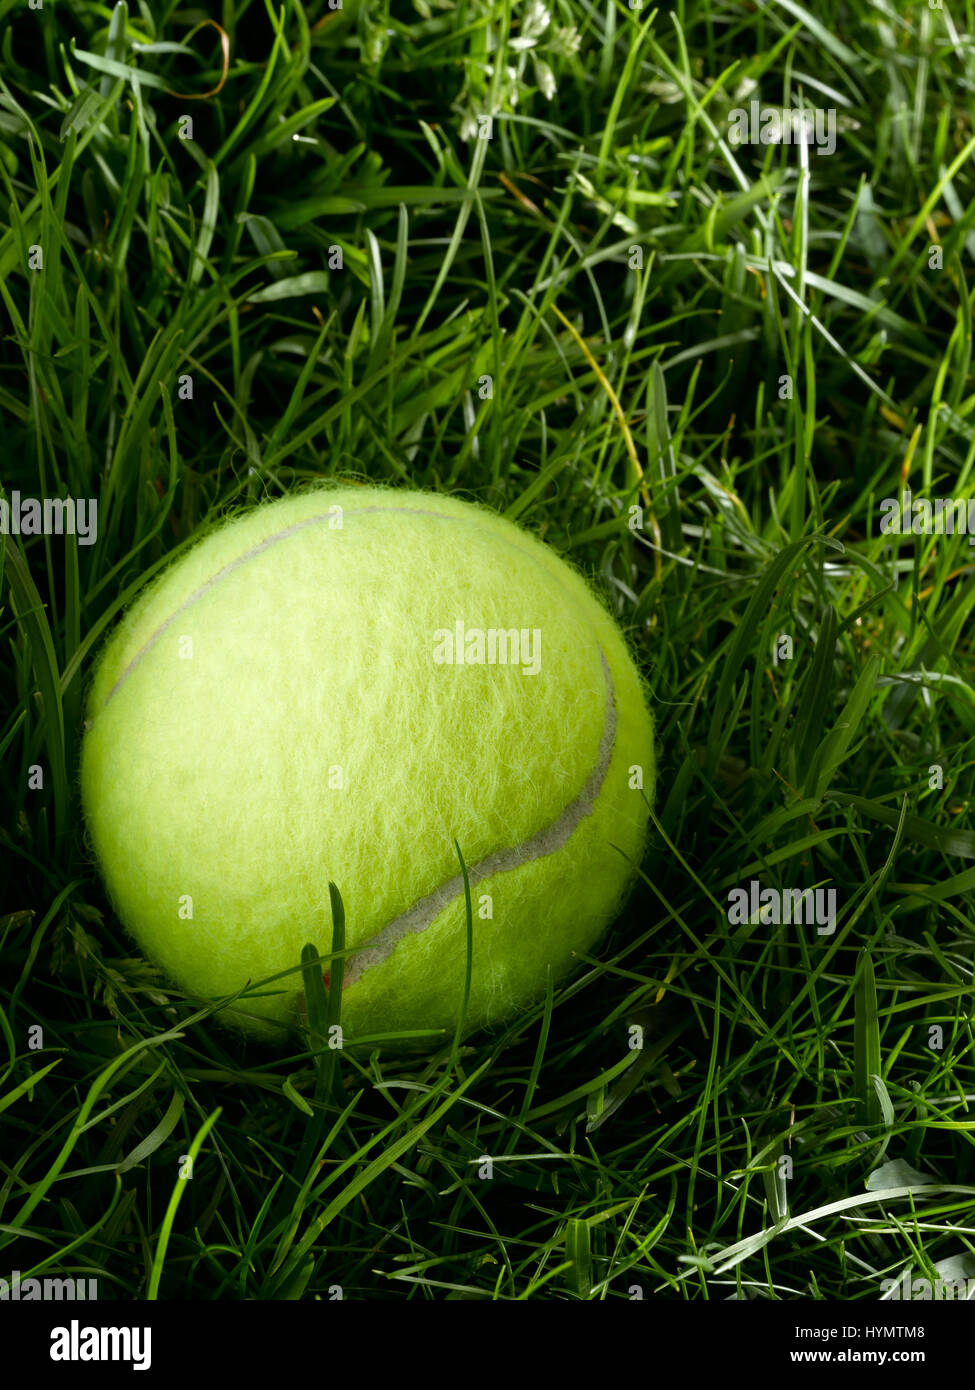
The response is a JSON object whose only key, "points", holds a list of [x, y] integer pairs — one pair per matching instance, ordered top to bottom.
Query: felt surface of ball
{"points": [[339, 685]]}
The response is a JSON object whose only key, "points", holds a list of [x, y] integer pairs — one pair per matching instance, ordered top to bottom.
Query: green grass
{"points": [[697, 371]]}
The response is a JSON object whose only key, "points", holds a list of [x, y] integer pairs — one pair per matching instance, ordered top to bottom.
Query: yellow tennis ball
{"points": [[340, 685]]}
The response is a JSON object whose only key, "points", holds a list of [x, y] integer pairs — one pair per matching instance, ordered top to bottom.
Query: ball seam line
{"points": [[549, 840]]}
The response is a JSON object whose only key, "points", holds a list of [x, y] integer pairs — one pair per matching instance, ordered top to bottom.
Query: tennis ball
{"points": [[340, 685]]}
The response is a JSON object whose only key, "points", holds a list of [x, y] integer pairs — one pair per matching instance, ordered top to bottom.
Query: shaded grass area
{"points": [[697, 369]]}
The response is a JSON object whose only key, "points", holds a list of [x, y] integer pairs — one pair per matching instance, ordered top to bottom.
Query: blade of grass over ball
{"points": [[468, 964], [316, 994], [323, 1009], [333, 1016]]}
